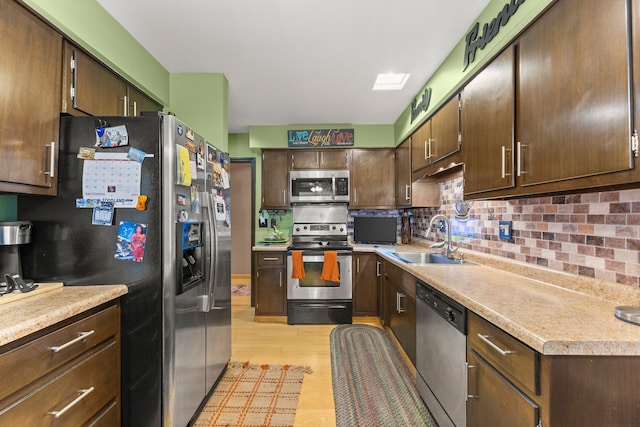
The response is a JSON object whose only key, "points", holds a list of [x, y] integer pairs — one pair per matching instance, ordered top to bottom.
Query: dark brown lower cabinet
{"points": [[270, 283], [365, 284], [400, 295], [66, 375], [512, 385], [494, 401]]}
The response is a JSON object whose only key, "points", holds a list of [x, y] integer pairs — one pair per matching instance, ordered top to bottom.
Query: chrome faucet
{"points": [[450, 250]]}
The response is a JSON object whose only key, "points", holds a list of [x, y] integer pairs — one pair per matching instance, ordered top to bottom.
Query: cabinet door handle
{"points": [[74, 78], [125, 106], [135, 108], [521, 148], [430, 153], [52, 159], [321, 159], [504, 173], [407, 194], [284, 197], [270, 259], [378, 264], [358, 265], [280, 278], [399, 297], [80, 337], [485, 338], [470, 395], [74, 402]]}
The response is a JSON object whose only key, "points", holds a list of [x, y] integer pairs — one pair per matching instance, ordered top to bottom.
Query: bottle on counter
{"points": [[405, 229]]}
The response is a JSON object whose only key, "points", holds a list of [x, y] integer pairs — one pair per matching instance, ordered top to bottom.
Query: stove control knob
{"points": [[305, 227], [334, 227], [297, 228], [341, 229]]}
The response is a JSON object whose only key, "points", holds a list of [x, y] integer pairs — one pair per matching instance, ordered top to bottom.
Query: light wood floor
{"points": [[278, 343]]}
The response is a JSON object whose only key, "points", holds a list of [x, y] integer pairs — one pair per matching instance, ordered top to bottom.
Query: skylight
{"points": [[390, 81]]}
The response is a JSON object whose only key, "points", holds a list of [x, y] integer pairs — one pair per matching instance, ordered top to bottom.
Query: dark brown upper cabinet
{"points": [[635, 42], [30, 78], [89, 87], [573, 100], [137, 102], [487, 127], [573, 127], [436, 139], [420, 156], [331, 158], [403, 174], [372, 176], [275, 179], [409, 193]]}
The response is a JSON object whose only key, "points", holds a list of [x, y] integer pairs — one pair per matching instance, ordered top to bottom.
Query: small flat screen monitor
{"points": [[381, 230]]}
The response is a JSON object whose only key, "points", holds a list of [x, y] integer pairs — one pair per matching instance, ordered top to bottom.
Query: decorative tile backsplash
{"points": [[591, 234]]}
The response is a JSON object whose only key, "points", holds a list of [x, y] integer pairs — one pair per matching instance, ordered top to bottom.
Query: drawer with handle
{"points": [[271, 258], [513, 359], [23, 365], [71, 398]]}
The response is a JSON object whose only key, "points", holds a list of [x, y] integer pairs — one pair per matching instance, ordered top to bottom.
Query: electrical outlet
{"points": [[262, 222], [442, 226], [505, 230]]}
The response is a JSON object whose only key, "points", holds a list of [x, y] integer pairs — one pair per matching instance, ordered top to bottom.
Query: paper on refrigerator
{"points": [[111, 177]]}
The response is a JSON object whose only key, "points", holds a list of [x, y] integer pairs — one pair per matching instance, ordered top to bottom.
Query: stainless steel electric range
{"points": [[317, 229]]}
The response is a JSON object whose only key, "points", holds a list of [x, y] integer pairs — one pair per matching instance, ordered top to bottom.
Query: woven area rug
{"points": [[241, 289], [372, 385], [254, 395]]}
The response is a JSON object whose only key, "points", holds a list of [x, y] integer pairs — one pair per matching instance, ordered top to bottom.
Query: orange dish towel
{"points": [[297, 267], [330, 270]]}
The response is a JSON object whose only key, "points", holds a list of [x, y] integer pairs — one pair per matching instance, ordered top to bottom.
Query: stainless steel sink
{"points": [[424, 258]]}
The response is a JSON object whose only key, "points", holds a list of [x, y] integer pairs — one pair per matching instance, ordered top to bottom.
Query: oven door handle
{"points": [[311, 305]]}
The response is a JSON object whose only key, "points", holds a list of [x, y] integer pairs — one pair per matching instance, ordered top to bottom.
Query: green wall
{"points": [[451, 76], [201, 100], [8, 208]]}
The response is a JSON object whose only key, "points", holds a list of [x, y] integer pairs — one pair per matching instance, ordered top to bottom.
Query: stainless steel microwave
{"points": [[319, 186]]}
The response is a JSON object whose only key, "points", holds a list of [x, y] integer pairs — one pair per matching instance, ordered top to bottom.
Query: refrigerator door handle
{"points": [[214, 250], [204, 301]]}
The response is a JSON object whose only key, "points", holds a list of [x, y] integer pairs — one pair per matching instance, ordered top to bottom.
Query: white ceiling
{"points": [[302, 61]]}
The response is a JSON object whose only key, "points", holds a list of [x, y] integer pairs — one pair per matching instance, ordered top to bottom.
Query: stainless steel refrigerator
{"points": [[144, 201]]}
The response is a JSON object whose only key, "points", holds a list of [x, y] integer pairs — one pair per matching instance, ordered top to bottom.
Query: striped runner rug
{"points": [[372, 386], [254, 395]]}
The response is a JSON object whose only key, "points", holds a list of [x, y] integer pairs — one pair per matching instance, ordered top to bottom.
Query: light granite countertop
{"points": [[275, 247], [552, 312], [31, 314]]}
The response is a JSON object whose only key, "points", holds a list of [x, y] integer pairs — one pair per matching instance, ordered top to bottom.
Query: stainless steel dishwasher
{"points": [[441, 342]]}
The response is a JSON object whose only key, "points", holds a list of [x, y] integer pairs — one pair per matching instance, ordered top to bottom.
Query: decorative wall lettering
{"points": [[475, 41], [416, 108], [320, 137]]}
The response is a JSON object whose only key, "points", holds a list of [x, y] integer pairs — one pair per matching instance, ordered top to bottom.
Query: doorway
{"points": [[242, 178]]}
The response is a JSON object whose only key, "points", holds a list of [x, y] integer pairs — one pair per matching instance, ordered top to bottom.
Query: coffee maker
{"points": [[12, 235]]}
